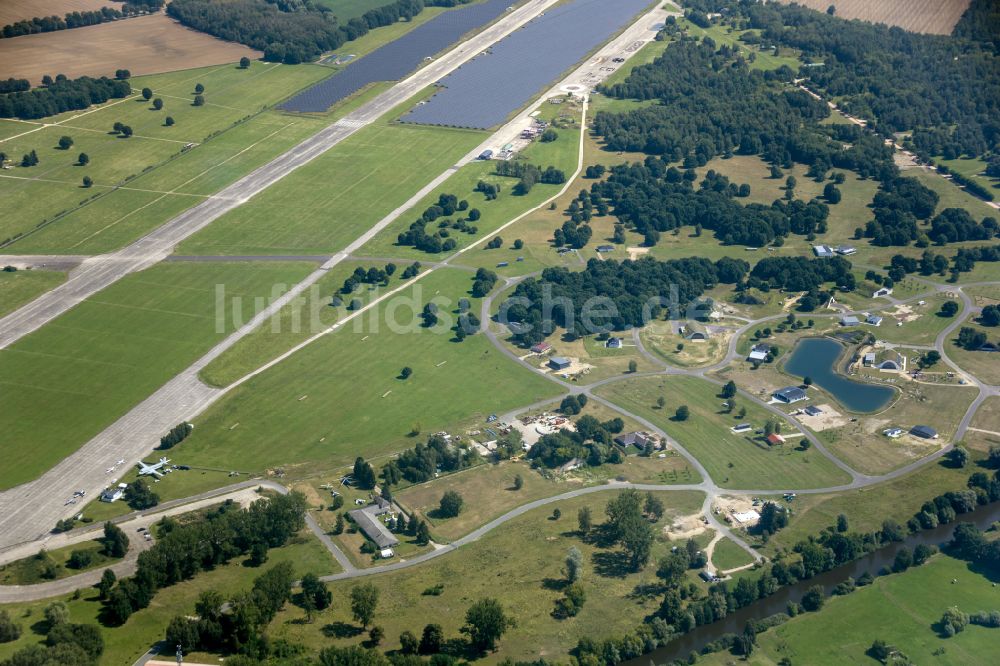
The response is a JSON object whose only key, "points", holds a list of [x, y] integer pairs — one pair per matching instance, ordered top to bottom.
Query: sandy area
{"points": [[15, 10], [931, 16], [143, 45], [636, 252], [830, 418], [685, 527]]}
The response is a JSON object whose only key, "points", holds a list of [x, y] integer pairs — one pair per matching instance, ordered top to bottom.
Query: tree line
{"points": [[79, 19], [289, 31], [61, 95]]}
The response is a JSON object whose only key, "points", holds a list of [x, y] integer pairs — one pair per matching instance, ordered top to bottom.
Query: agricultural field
{"points": [[936, 17], [143, 45], [170, 158], [371, 173], [22, 287], [104, 356], [342, 397], [732, 460], [31, 570], [532, 579], [901, 609], [125, 644]]}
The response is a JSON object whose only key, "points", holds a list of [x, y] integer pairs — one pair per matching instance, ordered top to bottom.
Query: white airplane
{"points": [[120, 462], [154, 469], [109, 470]]}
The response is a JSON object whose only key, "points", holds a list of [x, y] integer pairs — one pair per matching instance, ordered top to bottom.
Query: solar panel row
{"points": [[398, 58], [486, 90]]}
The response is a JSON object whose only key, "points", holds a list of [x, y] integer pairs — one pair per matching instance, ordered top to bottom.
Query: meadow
{"points": [[37, 195], [332, 200], [22, 287], [108, 353], [984, 365], [342, 397], [733, 461], [520, 564], [901, 609], [125, 644]]}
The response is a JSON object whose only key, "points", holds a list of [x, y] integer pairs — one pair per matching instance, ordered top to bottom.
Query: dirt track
{"points": [[15, 10], [931, 16], [144, 45]]}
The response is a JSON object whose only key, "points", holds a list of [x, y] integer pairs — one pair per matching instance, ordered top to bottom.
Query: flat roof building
{"points": [[823, 251], [850, 320], [559, 363], [789, 395]]}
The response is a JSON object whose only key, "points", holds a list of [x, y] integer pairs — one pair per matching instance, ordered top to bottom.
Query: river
{"points": [[872, 563]]}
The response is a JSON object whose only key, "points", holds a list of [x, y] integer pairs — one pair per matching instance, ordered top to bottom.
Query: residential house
{"points": [[541, 348]]}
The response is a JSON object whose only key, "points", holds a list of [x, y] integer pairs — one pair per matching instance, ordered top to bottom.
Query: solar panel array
{"points": [[397, 58], [489, 88]]}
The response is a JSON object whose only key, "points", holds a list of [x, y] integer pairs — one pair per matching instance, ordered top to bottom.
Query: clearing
{"points": [[143, 45], [733, 460]]}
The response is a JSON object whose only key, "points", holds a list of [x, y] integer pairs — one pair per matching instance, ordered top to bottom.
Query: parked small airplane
{"points": [[154, 469]]}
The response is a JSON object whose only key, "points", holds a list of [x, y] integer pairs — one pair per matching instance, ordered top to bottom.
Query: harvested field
{"points": [[16, 10], [930, 16], [144, 45]]}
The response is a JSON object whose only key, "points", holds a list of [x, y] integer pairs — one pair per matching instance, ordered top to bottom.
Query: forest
{"points": [[945, 90], [61, 95], [610, 295]]}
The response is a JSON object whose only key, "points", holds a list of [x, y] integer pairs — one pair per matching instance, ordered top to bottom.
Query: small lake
{"points": [[817, 358]]}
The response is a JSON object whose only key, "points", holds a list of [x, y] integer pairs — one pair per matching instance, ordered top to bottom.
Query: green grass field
{"points": [[348, 9], [562, 153], [38, 194], [329, 202], [22, 287], [305, 316], [93, 363], [984, 365], [340, 397], [732, 460], [727, 555], [520, 564], [29, 572], [900, 609], [125, 644]]}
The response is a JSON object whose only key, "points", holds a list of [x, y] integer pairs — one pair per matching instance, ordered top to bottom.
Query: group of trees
{"points": [[78, 19], [289, 31], [61, 95], [529, 175], [653, 197], [446, 206], [372, 276], [631, 290], [176, 435], [592, 441], [419, 464], [139, 495], [185, 549], [238, 625], [66, 643]]}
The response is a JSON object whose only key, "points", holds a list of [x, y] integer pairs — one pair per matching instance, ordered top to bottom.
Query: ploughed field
{"points": [[931, 16]]}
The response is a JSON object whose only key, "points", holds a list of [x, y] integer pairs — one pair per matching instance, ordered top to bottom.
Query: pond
{"points": [[816, 358]]}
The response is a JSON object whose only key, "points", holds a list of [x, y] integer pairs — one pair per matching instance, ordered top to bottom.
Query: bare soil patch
{"points": [[16, 10], [930, 16], [143, 45]]}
